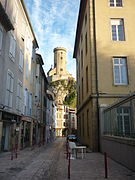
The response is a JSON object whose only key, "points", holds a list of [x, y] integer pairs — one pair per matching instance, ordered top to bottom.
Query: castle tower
{"points": [[60, 60], [59, 71], [57, 75]]}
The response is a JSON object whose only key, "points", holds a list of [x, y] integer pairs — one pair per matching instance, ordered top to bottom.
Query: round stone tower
{"points": [[60, 60]]}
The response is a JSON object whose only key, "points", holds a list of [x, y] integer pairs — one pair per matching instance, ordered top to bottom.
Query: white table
{"points": [[83, 150]]}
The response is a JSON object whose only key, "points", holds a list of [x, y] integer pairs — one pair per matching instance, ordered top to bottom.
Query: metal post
{"points": [[67, 149], [16, 151], [12, 156], [69, 165], [106, 165]]}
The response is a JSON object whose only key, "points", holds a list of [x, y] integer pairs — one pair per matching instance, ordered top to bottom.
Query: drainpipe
{"points": [[96, 71]]}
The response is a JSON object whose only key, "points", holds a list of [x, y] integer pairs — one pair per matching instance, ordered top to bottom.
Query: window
{"points": [[115, 3], [14, 12], [85, 19], [117, 26], [1, 37], [81, 38], [86, 43], [29, 45], [12, 47], [82, 58], [21, 61], [27, 69], [61, 69], [79, 70], [120, 71], [87, 86], [9, 89], [82, 89], [19, 96], [79, 96], [25, 101], [30, 104], [123, 121], [83, 124], [80, 125], [88, 134]]}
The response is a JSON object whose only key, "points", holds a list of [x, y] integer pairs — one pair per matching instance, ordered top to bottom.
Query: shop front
{"points": [[9, 128]]}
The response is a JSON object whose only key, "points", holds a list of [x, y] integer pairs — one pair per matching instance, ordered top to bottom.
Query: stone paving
{"points": [[49, 163]]}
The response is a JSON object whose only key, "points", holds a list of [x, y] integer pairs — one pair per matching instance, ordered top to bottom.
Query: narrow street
{"points": [[49, 163], [31, 164]]}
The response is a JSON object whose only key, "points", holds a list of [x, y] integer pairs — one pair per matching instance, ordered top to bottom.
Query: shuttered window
{"points": [[12, 48], [21, 60], [9, 89], [19, 96]]}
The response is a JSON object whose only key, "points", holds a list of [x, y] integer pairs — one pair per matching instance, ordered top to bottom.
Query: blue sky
{"points": [[54, 23]]}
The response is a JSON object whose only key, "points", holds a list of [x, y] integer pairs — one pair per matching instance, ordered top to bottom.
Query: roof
{"points": [[25, 10], [41, 59]]}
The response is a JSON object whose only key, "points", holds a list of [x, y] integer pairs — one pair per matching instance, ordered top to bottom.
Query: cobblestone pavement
{"points": [[49, 163]]}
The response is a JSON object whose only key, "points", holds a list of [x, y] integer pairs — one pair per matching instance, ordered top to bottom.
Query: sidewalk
{"points": [[92, 168]]}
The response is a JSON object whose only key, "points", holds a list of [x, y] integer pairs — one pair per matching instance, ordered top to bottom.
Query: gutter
{"points": [[96, 72]]}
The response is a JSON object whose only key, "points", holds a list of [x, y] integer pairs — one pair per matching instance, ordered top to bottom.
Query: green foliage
{"points": [[70, 87], [70, 99]]}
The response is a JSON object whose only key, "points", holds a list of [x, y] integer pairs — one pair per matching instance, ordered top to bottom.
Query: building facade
{"points": [[104, 52], [23, 81], [50, 117]]}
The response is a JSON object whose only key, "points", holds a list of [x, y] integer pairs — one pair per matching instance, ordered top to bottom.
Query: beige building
{"points": [[105, 56], [59, 73]]}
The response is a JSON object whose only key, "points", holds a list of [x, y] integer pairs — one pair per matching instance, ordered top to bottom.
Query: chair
{"points": [[74, 149]]}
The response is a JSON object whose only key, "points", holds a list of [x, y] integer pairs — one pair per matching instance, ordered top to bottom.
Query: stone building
{"points": [[105, 60], [57, 76], [23, 83]]}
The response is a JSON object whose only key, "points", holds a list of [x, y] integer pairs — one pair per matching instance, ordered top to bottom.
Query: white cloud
{"points": [[54, 23]]}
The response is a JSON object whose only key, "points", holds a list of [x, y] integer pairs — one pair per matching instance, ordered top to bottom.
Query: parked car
{"points": [[72, 137]]}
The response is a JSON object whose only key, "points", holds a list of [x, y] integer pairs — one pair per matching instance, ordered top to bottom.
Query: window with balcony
{"points": [[117, 26], [120, 71]]}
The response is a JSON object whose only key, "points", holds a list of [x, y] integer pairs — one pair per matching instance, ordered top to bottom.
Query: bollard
{"points": [[67, 150], [16, 151], [12, 154], [69, 165], [106, 165]]}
